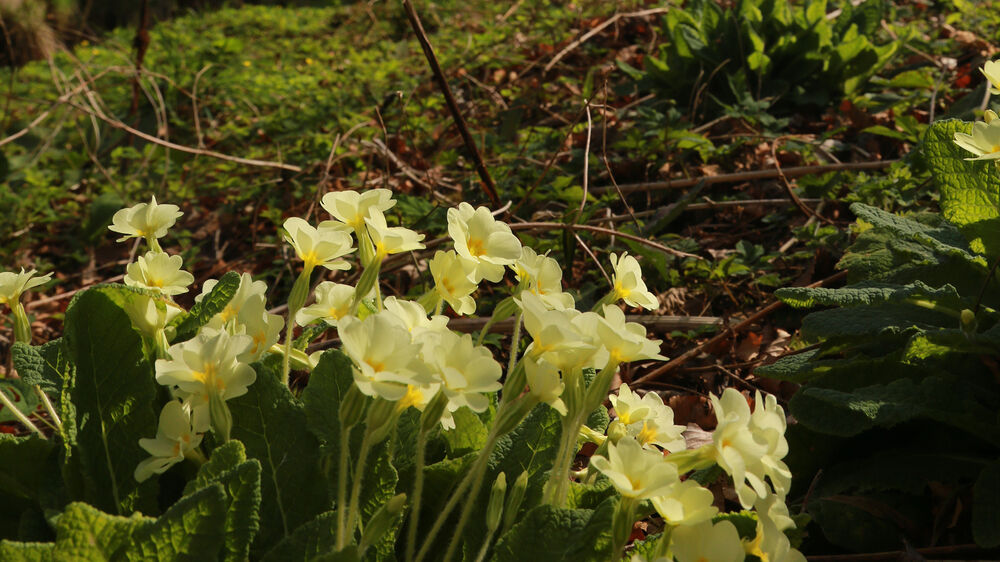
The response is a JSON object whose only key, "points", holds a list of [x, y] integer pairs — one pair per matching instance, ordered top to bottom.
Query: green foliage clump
{"points": [[756, 55], [899, 391]]}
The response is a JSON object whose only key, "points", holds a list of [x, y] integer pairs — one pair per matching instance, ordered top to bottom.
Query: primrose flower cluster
{"points": [[403, 354], [645, 457]]}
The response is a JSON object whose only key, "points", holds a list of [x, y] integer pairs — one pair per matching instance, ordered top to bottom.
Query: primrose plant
{"points": [[402, 443]]}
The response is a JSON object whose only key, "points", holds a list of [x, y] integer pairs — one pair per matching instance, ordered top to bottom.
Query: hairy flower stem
{"points": [[296, 300], [515, 342], [50, 409], [18, 414], [345, 445], [359, 476], [474, 478], [558, 484], [418, 485], [470, 502]]}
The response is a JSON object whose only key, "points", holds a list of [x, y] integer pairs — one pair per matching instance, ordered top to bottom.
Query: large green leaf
{"points": [[970, 190], [867, 293], [214, 302], [882, 319], [115, 398], [842, 413], [271, 423], [469, 434], [23, 465], [240, 479], [986, 507], [192, 529], [84, 532], [555, 534], [312, 539], [12, 551]]}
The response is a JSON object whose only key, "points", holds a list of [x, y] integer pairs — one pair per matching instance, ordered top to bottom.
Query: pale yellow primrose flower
{"points": [[991, 70], [984, 141], [351, 207], [145, 220], [481, 238], [391, 240], [323, 245], [159, 272], [542, 276], [453, 280], [628, 284], [13, 285], [247, 290], [333, 302], [146, 317], [414, 318], [264, 328], [555, 336], [625, 341], [386, 360], [207, 365], [466, 372], [545, 383], [648, 420], [768, 425], [174, 438], [735, 447], [636, 472], [687, 503], [706, 542], [770, 543]]}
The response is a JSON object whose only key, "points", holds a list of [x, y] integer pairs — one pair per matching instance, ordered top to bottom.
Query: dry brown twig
{"points": [[600, 230]]}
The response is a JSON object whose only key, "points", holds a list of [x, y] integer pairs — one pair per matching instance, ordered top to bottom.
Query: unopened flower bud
{"points": [[989, 115], [367, 282], [299, 294], [969, 324], [352, 407], [432, 413], [220, 416], [381, 416], [616, 431], [514, 500], [494, 510], [381, 521]]}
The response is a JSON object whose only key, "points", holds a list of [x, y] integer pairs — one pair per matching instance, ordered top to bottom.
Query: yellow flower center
{"points": [[994, 149], [476, 247], [311, 260], [156, 282], [448, 287], [621, 292], [228, 313], [377, 366], [208, 378], [413, 397], [646, 434]]}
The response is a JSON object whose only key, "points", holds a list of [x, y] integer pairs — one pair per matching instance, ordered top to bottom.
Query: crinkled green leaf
{"points": [[970, 190], [942, 239], [867, 293], [214, 302], [872, 320], [46, 365], [115, 396], [837, 412], [271, 423], [530, 447], [224, 458], [240, 479], [589, 496], [986, 507], [192, 529], [84, 532], [556, 534], [311, 539], [12, 551]]}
